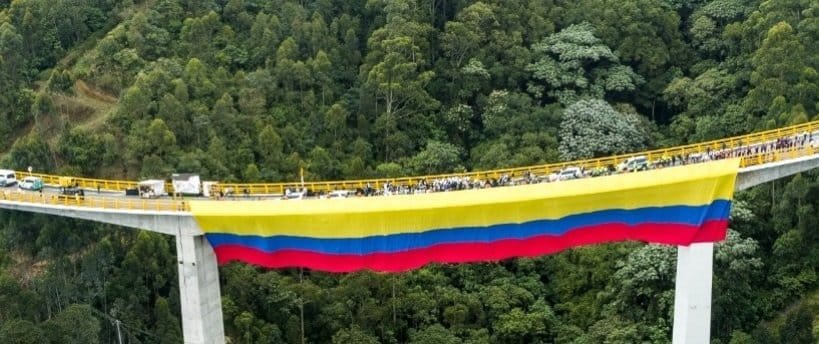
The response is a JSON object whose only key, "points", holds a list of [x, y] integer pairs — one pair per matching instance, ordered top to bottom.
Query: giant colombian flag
{"points": [[675, 206]]}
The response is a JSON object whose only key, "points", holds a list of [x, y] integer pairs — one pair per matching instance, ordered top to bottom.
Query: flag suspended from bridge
{"points": [[675, 206]]}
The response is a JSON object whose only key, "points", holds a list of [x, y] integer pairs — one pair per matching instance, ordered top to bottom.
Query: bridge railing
{"points": [[727, 144], [85, 183], [94, 202], [182, 206]]}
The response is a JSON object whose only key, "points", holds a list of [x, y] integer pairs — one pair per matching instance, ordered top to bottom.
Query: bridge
{"points": [[762, 157]]}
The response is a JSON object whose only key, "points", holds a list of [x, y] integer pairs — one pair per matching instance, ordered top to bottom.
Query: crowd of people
{"points": [[764, 150]]}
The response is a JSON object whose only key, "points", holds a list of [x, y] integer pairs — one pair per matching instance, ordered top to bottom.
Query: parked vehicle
{"points": [[635, 163], [570, 173], [7, 178], [31, 183], [186, 184], [152, 188], [70, 189], [212, 189], [295, 194], [339, 194]]}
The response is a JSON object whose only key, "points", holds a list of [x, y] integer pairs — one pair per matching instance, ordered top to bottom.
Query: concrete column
{"points": [[692, 294], [200, 297]]}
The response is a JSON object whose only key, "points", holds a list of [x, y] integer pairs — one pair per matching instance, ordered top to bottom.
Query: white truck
{"points": [[186, 184], [152, 188]]}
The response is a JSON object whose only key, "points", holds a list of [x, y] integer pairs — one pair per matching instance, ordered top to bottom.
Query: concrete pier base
{"points": [[692, 294], [200, 297]]}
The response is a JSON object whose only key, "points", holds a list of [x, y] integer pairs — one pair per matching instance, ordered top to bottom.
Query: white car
{"points": [[698, 157], [635, 163], [570, 173], [7, 178], [31, 183], [339, 194], [294, 195]]}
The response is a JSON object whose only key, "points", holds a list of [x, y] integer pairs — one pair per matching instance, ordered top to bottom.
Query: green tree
{"points": [[198, 34], [265, 36], [650, 40], [463, 43], [574, 64], [321, 67], [781, 69], [395, 70], [12, 72], [195, 77], [61, 81], [704, 95], [515, 114], [224, 117], [335, 119], [593, 128], [151, 139], [82, 149], [270, 149], [31, 151], [437, 157], [323, 164], [389, 170], [251, 173], [737, 266], [147, 270], [644, 284], [20, 303], [74, 325], [518, 326], [798, 327], [168, 328], [611, 330], [18, 331], [435, 334], [353, 335], [764, 336], [739, 337]]}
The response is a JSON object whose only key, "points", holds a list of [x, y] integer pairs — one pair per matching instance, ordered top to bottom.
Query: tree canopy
{"points": [[257, 90]]}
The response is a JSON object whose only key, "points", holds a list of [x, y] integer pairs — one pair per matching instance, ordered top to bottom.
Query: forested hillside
{"points": [[257, 90]]}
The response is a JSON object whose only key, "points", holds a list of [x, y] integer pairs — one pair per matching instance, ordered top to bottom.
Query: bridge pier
{"points": [[692, 294], [200, 297]]}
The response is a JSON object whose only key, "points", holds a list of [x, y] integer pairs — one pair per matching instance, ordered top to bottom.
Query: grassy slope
{"points": [[94, 104], [87, 108]]}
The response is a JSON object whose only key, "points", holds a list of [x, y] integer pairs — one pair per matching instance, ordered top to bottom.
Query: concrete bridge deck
{"points": [[198, 273]]}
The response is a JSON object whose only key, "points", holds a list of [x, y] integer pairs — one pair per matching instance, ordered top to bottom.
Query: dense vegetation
{"points": [[258, 89]]}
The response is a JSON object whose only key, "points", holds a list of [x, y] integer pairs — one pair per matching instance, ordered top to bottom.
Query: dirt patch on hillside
{"points": [[86, 90]]}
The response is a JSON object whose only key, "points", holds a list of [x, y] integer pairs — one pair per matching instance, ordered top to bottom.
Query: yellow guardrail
{"points": [[749, 158], [546, 169], [85, 183], [94, 202]]}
